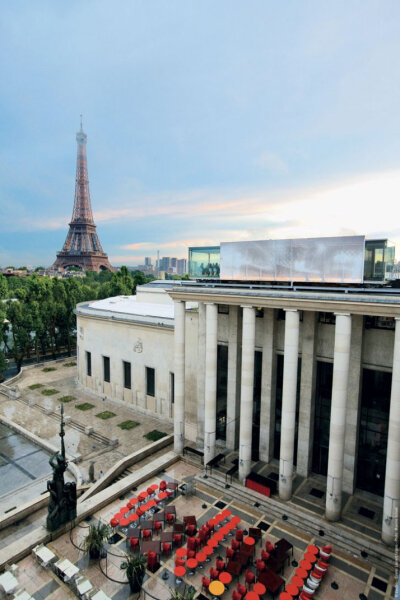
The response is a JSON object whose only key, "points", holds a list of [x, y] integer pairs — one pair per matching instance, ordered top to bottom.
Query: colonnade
{"points": [[208, 342]]}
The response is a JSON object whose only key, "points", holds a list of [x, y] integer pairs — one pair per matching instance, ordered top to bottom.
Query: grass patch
{"points": [[70, 364], [48, 369], [35, 386], [49, 392], [66, 399], [84, 406], [106, 414], [128, 424], [154, 435]]}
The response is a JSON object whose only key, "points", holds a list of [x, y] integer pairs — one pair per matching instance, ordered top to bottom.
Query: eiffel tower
{"points": [[82, 246]]}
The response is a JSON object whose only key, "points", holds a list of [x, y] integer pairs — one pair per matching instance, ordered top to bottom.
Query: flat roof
{"points": [[128, 308]]}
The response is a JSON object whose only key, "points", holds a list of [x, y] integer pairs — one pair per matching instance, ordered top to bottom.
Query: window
{"points": [[223, 309], [260, 313], [326, 317], [379, 322], [89, 364], [106, 368], [127, 375], [150, 376], [172, 387]]}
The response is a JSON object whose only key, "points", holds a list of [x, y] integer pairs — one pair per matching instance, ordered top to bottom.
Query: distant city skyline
{"points": [[206, 122]]}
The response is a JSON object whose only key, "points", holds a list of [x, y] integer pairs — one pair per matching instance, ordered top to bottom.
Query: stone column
{"points": [[179, 358], [201, 360], [341, 363], [210, 389], [307, 389], [289, 390], [246, 391], [353, 404], [232, 410], [267, 415], [391, 499]]}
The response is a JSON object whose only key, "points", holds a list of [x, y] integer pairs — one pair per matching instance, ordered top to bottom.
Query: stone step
{"points": [[344, 538]]}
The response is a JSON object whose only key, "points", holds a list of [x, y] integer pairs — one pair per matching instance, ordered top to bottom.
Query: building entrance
{"points": [[322, 417], [373, 431], [255, 444]]}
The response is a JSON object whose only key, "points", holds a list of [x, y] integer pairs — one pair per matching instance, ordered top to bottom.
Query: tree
{"points": [[3, 287]]}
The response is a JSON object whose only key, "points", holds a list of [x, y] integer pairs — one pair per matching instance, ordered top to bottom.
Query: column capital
{"points": [[247, 306], [291, 310], [342, 314]]}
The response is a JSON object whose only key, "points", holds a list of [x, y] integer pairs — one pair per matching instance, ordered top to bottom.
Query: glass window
{"points": [[204, 262], [223, 309], [260, 313], [326, 317], [379, 322], [89, 364], [106, 368], [127, 375], [150, 381], [172, 387], [222, 390], [322, 417], [373, 430], [255, 443]]}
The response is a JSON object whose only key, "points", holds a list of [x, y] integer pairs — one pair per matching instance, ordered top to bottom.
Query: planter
{"points": [[94, 553], [136, 582]]}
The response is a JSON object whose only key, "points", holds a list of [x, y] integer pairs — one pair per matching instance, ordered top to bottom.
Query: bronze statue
{"points": [[62, 501]]}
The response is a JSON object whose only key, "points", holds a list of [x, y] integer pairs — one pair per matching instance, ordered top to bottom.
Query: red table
{"points": [[154, 486], [162, 495], [132, 502], [151, 503], [124, 510], [226, 513], [133, 518], [219, 518], [236, 520], [124, 522], [218, 536], [249, 541], [213, 542], [312, 549], [207, 550], [181, 552], [201, 557], [310, 557], [191, 564], [305, 564], [179, 572], [302, 573], [225, 577], [297, 581], [259, 588], [292, 589], [251, 596], [285, 596]]}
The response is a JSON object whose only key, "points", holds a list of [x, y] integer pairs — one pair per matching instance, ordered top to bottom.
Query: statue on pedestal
{"points": [[62, 502]]}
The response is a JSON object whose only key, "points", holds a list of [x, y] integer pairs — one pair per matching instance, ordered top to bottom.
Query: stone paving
{"points": [[32, 418], [348, 575]]}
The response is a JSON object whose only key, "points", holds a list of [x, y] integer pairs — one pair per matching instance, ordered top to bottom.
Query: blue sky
{"points": [[207, 121]]}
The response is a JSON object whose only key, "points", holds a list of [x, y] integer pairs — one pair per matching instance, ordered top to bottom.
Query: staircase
{"points": [[339, 535]]}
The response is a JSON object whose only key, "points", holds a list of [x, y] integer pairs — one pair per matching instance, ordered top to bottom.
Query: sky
{"points": [[207, 121]]}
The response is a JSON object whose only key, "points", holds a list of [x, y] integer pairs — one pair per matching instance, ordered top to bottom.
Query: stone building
{"points": [[307, 380]]}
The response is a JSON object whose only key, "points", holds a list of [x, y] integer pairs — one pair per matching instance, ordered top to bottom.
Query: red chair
{"points": [[163, 486], [150, 491], [170, 518], [114, 522], [157, 526], [210, 526], [191, 530], [146, 533], [239, 535], [203, 536], [177, 537], [134, 543], [191, 543], [235, 545], [269, 547], [166, 548], [230, 553], [191, 554], [265, 555], [179, 562], [152, 563], [220, 565], [260, 566], [214, 573], [249, 577], [205, 582], [242, 589], [236, 595]]}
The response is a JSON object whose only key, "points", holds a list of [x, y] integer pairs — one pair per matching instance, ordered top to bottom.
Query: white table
{"points": [[45, 555], [67, 568], [8, 583], [84, 587], [100, 595]]}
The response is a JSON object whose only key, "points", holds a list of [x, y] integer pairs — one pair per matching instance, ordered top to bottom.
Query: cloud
{"points": [[272, 162]]}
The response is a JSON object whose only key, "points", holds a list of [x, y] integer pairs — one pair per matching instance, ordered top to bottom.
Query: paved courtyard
{"points": [[347, 577]]}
